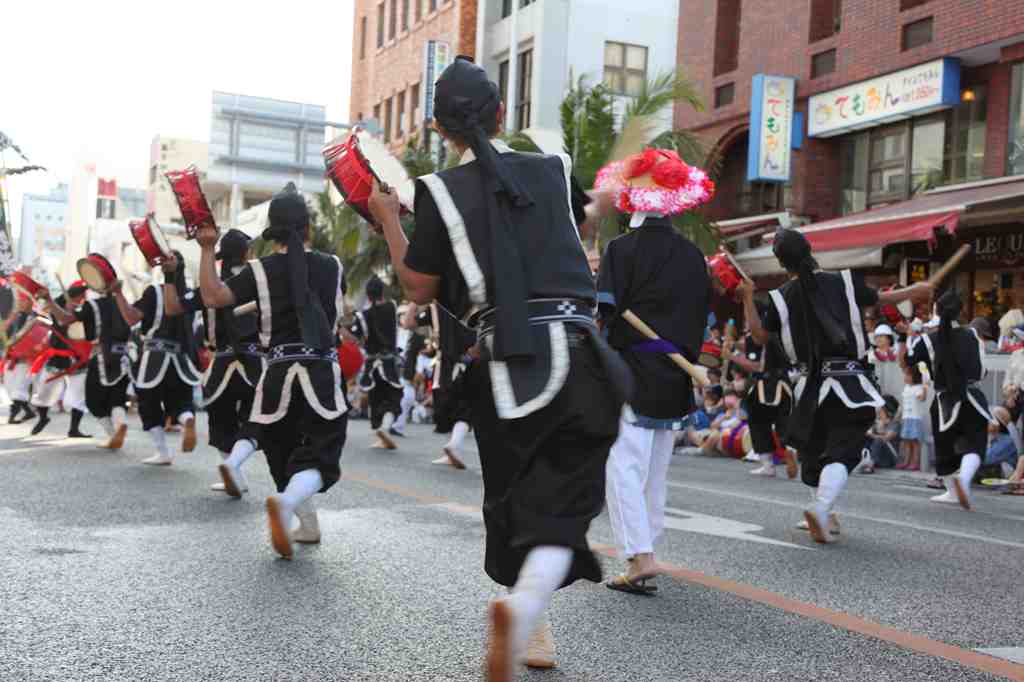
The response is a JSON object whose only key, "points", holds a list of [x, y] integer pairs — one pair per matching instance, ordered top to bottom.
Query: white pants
{"points": [[17, 381], [46, 393], [74, 395], [408, 402], [635, 487]]}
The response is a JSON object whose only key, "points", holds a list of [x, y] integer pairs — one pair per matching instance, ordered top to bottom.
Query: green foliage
{"points": [[588, 128]]}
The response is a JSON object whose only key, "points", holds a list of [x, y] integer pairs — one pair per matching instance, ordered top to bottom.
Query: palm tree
{"points": [[589, 126]]}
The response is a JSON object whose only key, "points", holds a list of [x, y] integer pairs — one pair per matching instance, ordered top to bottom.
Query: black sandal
{"points": [[622, 583]]}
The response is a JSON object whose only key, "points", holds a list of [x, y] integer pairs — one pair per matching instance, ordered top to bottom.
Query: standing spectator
{"points": [[1010, 325], [886, 361], [915, 393]]}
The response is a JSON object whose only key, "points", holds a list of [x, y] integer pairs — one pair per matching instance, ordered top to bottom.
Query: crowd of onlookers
{"points": [[901, 437]]}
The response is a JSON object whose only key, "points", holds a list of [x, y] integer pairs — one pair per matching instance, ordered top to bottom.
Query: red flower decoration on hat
{"points": [[655, 181]]}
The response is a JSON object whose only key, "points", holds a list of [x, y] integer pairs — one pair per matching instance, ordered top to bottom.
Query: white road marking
{"points": [[36, 446], [693, 522], [891, 522], [1010, 653]]}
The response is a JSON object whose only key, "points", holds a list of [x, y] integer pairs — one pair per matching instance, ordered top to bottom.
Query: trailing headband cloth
{"points": [[463, 98], [289, 219], [793, 251], [231, 254], [948, 307]]}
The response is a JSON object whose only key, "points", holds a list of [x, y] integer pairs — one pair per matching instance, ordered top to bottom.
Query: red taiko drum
{"points": [[351, 174], [195, 209], [150, 240], [727, 271], [97, 273], [25, 285], [31, 340], [79, 345], [710, 355], [350, 357], [735, 440]]}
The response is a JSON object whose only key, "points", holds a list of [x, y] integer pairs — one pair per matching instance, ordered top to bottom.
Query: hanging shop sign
{"points": [[437, 55], [912, 92], [771, 128], [1000, 249]]}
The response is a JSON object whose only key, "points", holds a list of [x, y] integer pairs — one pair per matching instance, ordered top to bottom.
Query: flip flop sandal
{"points": [[621, 583]]}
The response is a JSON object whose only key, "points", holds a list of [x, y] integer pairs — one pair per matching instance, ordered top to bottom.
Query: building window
{"points": [[911, 4], [433, 5], [506, 8], [417, 10], [405, 15], [826, 19], [393, 20], [380, 25], [917, 33], [727, 36], [362, 38], [823, 63], [625, 68], [503, 80], [525, 86], [724, 95], [414, 109], [376, 114], [400, 115], [359, 116], [387, 120], [1015, 152], [896, 162], [152, 174]]}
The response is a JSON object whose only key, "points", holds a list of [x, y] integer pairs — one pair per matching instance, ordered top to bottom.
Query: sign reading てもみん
{"points": [[911, 92], [771, 128]]}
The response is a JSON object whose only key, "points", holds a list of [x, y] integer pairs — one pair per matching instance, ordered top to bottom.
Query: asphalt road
{"points": [[111, 570]]}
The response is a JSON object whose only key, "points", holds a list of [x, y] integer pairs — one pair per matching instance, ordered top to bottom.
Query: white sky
{"points": [[98, 80]]}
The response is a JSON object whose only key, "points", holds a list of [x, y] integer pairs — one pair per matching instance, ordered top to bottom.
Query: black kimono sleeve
{"points": [[430, 247], [606, 284], [243, 286], [192, 302], [147, 306], [86, 314]]}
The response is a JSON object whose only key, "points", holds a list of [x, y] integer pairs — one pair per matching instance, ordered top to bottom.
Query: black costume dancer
{"points": [[496, 240], [817, 316], [377, 328], [167, 368], [16, 373], [109, 373], [58, 374], [229, 383], [453, 397], [769, 398], [299, 403], [960, 413]]}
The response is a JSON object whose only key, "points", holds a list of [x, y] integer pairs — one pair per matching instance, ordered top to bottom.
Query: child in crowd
{"points": [[885, 359], [915, 393], [700, 423], [726, 429], [883, 438], [1004, 442]]}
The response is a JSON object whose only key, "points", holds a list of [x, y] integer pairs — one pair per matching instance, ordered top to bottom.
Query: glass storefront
{"points": [[895, 162]]}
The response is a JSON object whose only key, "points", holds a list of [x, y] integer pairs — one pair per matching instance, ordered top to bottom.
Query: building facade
{"points": [[537, 49], [389, 59], [902, 137], [257, 146], [167, 154], [43, 236]]}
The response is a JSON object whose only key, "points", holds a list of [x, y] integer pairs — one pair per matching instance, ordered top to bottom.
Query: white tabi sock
{"points": [[118, 416], [184, 417], [387, 422], [108, 426], [459, 432], [159, 438], [240, 452], [969, 465], [831, 484], [301, 487], [543, 572]]}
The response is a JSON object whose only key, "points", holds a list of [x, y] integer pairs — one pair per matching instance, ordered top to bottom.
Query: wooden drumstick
{"points": [[949, 266], [245, 309], [699, 377]]}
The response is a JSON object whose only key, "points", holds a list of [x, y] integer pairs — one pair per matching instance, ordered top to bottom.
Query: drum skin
{"points": [[97, 273]]}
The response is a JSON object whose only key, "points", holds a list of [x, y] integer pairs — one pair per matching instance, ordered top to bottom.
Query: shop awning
{"points": [[916, 219], [761, 262]]}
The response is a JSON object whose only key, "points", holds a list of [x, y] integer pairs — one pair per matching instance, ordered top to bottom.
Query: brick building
{"points": [[388, 59], [906, 137]]}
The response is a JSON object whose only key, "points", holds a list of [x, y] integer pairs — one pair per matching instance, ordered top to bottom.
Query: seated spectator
{"points": [[983, 327], [1010, 336], [701, 419], [726, 432], [884, 437], [1003, 444]]}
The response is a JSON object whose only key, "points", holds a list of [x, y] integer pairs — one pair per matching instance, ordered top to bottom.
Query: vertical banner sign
{"points": [[437, 55], [771, 128], [8, 263]]}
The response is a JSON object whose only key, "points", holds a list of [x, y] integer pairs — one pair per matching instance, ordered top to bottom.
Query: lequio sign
{"points": [[1000, 249]]}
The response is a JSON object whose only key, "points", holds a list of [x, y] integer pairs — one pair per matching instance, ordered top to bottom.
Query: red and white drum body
{"points": [[354, 164], [195, 209], [150, 240], [726, 271], [97, 273], [25, 285], [31, 341], [79, 345], [351, 359]]}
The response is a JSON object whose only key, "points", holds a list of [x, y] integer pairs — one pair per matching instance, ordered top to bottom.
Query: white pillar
{"points": [[513, 61]]}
